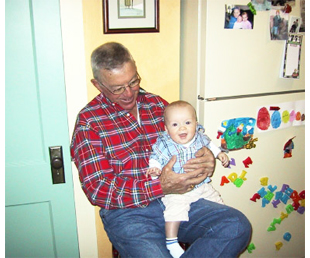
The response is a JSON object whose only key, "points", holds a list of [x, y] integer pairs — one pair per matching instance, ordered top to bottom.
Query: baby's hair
{"points": [[178, 103]]}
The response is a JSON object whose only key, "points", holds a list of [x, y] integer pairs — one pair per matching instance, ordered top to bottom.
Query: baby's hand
{"points": [[224, 159], [153, 172]]}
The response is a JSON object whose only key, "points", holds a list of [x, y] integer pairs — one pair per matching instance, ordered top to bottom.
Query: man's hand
{"points": [[204, 161], [197, 170]]}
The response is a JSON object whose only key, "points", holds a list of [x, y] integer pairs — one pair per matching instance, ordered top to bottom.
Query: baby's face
{"points": [[244, 17], [181, 124]]}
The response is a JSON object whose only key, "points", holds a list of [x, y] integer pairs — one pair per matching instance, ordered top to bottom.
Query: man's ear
{"points": [[96, 84]]}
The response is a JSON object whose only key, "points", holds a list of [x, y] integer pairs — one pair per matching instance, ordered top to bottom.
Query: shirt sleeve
{"points": [[160, 149], [214, 149], [155, 164], [102, 186]]}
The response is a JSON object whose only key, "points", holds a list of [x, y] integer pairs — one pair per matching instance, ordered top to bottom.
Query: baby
{"points": [[183, 136]]}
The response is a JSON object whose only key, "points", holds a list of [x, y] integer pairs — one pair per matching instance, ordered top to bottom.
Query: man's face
{"points": [[236, 12], [115, 79]]}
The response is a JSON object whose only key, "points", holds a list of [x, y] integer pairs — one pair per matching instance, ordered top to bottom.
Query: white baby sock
{"points": [[174, 247]]}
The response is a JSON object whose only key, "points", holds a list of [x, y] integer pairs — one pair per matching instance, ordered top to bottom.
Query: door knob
{"points": [[57, 163], [57, 166]]}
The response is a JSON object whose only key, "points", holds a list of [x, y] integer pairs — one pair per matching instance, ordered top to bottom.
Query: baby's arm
{"points": [[219, 154], [223, 158], [154, 169], [153, 172]]}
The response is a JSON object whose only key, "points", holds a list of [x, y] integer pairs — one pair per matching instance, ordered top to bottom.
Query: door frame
{"points": [[71, 14]]}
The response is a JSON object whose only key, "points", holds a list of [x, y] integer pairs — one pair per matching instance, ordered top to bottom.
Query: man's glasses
{"points": [[117, 90]]}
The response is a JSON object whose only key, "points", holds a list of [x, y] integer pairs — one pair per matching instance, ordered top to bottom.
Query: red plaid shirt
{"points": [[111, 151]]}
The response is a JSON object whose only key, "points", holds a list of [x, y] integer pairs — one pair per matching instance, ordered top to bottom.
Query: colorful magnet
{"points": [[252, 8], [288, 147], [248, 161], [224, 180], [264, 181], [238, 182], [272, 189], [255, 197], [275, 203], [283, 216], [287, 236], [278, 245], [251, 247]]}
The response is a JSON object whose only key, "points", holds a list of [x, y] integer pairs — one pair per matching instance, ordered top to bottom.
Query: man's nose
{"points": [[128, 90]]}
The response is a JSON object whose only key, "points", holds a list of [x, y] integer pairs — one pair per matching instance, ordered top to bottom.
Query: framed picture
{"points": [[130, 16]]}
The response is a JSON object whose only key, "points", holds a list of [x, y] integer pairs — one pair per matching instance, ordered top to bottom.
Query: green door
{"points": [[40, 216]]}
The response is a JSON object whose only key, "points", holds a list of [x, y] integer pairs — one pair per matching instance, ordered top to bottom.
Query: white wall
{"points": [[75, 80]]}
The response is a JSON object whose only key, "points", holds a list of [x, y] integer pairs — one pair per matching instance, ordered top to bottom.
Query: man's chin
{"points": [[127, 105]]}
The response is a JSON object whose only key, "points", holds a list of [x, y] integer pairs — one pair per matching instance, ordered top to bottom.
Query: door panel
{"points": [[21, 85], [40, 216]]}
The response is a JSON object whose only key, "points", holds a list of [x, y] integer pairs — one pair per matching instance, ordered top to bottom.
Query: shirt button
{"points": [[127, 114], [147, 150]]}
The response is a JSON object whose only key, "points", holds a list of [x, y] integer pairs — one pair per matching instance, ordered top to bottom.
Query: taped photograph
{"points": [[238, 17], [278, 25]]}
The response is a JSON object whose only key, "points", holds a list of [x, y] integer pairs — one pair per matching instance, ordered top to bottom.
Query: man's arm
{"points": [[101, 184]]}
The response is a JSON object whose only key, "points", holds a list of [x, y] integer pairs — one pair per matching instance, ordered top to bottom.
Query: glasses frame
{"points": [[123, 86]]}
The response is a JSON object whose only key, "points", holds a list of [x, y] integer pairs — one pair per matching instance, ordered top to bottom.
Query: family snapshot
{"points": [[238, 17]]}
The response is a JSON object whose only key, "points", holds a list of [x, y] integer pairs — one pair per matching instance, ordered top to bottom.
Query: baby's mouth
{"points": [[183, 135]]}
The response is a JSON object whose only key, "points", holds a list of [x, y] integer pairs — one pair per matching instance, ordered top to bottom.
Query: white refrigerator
{"points": [[235, 80]]}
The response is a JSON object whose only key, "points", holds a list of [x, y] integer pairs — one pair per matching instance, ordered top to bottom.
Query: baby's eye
{"points": [[188, 123], [174, 124]]}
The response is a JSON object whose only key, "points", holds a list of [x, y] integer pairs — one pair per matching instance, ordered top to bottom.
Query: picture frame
{"points": [[130, 16]]}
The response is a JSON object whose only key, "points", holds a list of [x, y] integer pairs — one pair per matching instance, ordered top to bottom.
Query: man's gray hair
{"points": [[109, 56]]}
